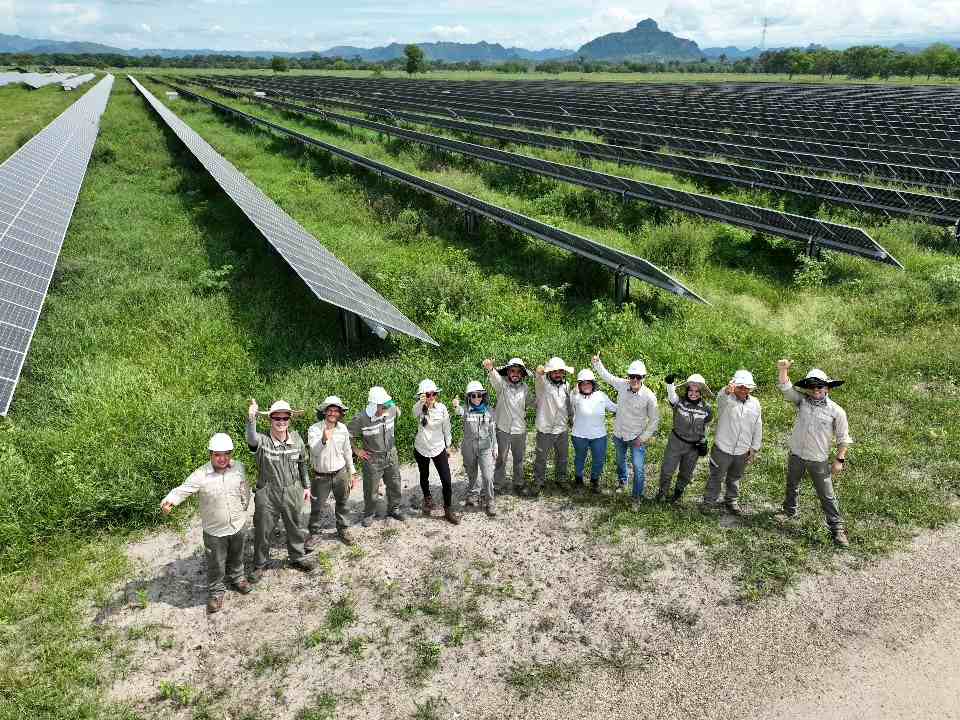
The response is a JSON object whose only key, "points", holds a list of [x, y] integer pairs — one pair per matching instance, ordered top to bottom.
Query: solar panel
{"points": [[39, 80], [75, 82], [39, 185], [834, 236], [618, 261], [328, 278]]}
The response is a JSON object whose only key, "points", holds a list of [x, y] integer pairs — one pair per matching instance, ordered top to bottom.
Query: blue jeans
{"points": [[598, 452], [639, 459]]}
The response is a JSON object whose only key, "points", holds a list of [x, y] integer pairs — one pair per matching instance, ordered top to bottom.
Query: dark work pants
{"points": [[442, 463], [797, 467], [287, 502], [224, 559]]}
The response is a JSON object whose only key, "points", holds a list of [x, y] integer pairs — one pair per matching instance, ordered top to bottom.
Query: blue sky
{"points": [[301, 25]]}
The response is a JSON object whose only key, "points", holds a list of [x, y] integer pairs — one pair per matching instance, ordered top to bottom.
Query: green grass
{"points": [[24, 112], [144, 349], [532, 678]]}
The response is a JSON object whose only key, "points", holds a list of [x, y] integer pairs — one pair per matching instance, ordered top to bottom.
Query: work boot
{"points": [[578, 483], [595, 486], [662, 493], [676, 497], [470, 501], [428, 505], [733, 507], [491, 509], [397, 514], [788, 514], [450, 516], [367, 520], [346, 537], [840, 538], [313, 539], [305, 564], [256, 575], [242, 586], [214, 604]]}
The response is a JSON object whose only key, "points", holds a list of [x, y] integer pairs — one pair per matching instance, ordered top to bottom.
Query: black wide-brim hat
{"points": [[817, 378]]}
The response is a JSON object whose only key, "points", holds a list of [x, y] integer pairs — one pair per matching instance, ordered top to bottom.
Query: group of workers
{"points": [[292, 472]]}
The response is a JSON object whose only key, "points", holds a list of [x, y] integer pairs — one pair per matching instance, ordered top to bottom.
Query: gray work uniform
{"points": [[510, 416], [690, 420], [739, 430], [814, 430], [553, 434], [378, 436], [478, 450], [282, 478]]}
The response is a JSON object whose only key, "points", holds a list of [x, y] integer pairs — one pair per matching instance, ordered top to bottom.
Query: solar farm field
{"points": [[753, 222]]}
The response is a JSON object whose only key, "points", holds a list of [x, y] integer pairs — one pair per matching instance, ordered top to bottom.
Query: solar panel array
{"points": [[75, 82], [912, 167], [39, 185], [932, 208], [802, 229], [617, 260], [328, 278]]}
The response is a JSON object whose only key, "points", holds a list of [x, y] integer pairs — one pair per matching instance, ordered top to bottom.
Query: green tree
{"points": [[938, 59], [416, 61], [279, 64]]}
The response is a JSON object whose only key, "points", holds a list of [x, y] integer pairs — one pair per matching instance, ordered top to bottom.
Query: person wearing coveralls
{"points": [[510, 416], [553, 420], [819, 421], [375, 427], [688, 438], [736, 441], [479, 446], [331, 459], [283, 486], [224, 497]]}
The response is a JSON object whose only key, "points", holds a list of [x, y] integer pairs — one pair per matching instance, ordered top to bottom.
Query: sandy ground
{"points": [[526, 616]]}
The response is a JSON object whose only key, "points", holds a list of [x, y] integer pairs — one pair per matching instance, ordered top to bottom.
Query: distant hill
{"points": [[644, 42], [19, 44], [732, 53]]}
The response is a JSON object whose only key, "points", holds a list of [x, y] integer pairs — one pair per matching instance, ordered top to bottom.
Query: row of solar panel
{"points": [[780, 123], [943, 142], [925, 170], [39, 185], [940, 210], [796, 227], [616, 260]]}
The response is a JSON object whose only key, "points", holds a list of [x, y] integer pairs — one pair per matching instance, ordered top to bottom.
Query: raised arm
{"points": [[495, 378], [783, 382], [618, 383], [672, 396], [253, 442]]}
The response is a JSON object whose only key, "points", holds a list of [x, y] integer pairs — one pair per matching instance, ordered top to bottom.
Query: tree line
{"points": [[860, 62]]}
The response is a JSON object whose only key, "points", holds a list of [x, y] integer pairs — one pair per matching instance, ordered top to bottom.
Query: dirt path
{"points": [[527, 616]]}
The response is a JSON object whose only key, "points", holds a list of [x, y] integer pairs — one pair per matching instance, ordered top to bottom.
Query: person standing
{"points": [[590, 407], [510, 416], [553, 421], [820, 422], [636, 424], [375, 427], [688, 438], [433, 441], [736, 442], [479, 446], [331, 458], [283, 486], [224, 497]]}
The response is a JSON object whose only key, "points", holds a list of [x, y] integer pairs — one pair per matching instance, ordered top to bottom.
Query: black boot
{"points": [[578, 483], [595, 486], [662, 493], [677, 495]]}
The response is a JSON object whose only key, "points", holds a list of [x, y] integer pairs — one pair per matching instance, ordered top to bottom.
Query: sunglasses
{"points": [[636, 377], [431, 394], [478, 396], [280, 418]]}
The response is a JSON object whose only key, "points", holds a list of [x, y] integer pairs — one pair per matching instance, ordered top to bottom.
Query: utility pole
{"points": [[763, 37]]}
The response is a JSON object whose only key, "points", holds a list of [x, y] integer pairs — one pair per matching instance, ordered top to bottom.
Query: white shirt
{"points": [[637, 413], [590, 414], [739, 424], [436, 436], [330, 457], [224, 497]]}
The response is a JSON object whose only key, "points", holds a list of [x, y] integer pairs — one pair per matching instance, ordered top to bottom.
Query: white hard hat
{"points": [[514, 362], [556, 363], [637, 368], [586, 375], [743, 377], [698, 379], [426, 386], [473, 386], [377, 396], [331, 400], [279, 406], [221, 442]]}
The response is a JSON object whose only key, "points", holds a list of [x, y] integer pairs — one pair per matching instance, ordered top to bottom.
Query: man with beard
{"points": [[510, 416], [553, 420], [331, 458]]}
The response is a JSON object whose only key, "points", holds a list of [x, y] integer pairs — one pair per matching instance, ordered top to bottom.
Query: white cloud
{"points": [[146, 28], [449, 32]]}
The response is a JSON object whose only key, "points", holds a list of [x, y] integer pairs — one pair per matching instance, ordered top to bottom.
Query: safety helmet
{"points": [[555, 364], [637, 368], [586, 375], [743, 377], [426, 386], [473, 387], [377, 396], [327, 402], [279, 406], [220, 442]]}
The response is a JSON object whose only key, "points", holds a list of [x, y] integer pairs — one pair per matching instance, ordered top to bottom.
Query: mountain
{"points": [[644, 42], [19, 44], [733, 53]]}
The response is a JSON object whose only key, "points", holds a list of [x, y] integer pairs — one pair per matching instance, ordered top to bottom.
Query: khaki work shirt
{"points": [[553, 405], [637, 412], [510, 413], [739, 424], [816, 426], [330, 457], [224, 497]]}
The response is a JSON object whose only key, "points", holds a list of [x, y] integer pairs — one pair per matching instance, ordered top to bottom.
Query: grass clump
{"points": [[531, 678], [324, 707]]}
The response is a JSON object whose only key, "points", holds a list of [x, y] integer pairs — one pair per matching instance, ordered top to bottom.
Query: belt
{"points": [[333, 472]]}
